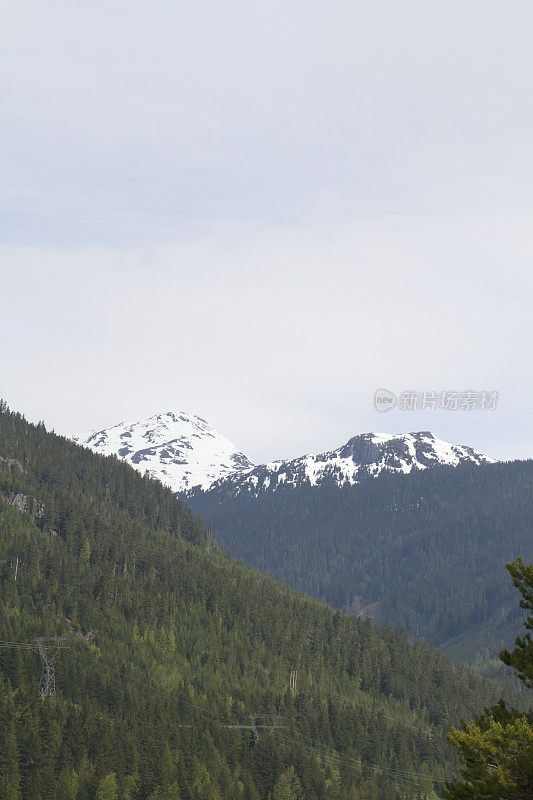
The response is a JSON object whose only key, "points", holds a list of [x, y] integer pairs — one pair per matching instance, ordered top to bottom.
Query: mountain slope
{"points": [[179, 449], [186, 453], [362, 457], [421, 551], [175, 675]]}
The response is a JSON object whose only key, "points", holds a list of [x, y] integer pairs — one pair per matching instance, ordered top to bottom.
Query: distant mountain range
{"points": [[184, 452], [362, 457], [406, 528], [423, 551], [183, 668]]}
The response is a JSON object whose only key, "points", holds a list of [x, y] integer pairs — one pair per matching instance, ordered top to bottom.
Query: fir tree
{"points": [[497, 749], [9, 772], [288, 786]]}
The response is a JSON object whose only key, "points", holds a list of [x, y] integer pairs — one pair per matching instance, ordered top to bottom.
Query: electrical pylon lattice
{"points": [[49, 648]]}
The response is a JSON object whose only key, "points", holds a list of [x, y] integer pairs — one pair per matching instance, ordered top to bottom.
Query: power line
{"points": [[17, 645], [293, 676], [48, 686], [256, 725], [325, 752]]}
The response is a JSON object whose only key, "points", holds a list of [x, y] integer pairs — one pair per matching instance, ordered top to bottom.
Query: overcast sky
{"points": [[263, 212]]}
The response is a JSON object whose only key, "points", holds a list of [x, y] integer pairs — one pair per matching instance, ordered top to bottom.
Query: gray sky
{"points": [[262, 212]]}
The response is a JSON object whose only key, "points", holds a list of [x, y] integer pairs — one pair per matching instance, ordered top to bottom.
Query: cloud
{"points": [[125, 124], [263, 212], [279, 338]]}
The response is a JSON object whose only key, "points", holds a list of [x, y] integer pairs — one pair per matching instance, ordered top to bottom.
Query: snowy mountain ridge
{"points": [[180, 449], [187, 454], [362, 457]]}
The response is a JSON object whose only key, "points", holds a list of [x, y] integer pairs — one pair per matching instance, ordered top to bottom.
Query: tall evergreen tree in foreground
{"points": [[497, 749]]}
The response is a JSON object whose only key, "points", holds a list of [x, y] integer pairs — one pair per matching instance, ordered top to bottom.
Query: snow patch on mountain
{"points": [[181, 450], [187, 454], [362, 457]]}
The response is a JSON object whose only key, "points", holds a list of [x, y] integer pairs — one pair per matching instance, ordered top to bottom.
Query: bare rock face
{"points": [[186, 453], [12, 464], [20, 502], [25, 504]]}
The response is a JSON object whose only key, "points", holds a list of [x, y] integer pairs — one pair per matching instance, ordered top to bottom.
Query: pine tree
{"points": [[521, 658], [497, 749], [498, 760], [9, 772], [69, 785], [288, 786], [108, 788], [170, 792]]}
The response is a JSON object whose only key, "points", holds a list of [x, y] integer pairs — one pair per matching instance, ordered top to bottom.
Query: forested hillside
{"points": [[423, 552], [174, 675]]}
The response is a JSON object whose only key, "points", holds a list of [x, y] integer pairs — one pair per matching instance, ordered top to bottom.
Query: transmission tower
{"points": [[209, 539], [49, 648], [294, 679], [259, 724]]}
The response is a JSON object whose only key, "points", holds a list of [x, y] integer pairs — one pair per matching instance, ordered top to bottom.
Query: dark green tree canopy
{"points": [[521, 658], [174, 680], [497, 748]]}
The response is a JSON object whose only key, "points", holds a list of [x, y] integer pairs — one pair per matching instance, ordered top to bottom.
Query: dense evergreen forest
{"points": [[422, 552], [182, 673]]}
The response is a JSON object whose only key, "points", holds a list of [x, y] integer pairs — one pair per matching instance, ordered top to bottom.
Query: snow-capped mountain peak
{"points": [[180, 449], [187, 454], [364, 456]]}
